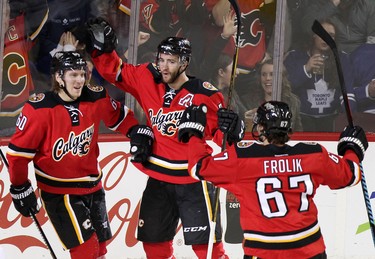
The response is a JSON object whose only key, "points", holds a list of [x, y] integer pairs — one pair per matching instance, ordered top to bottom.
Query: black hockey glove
{"points": [[101, 37], [193, 122], [230, 123], [353, 138], [141, 140], [24, 199]]}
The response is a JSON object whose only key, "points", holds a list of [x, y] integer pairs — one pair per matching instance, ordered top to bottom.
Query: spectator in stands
{"points": [[63, 16], [173, 18], [354, 20], [252, 45], [363, 61], [221, 79], [314, 79], [263, 92]]}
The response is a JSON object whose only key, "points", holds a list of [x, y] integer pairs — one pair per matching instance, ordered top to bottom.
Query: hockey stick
{"points": [[318, 29], [235, 60], [230, 92], [33, 216]]}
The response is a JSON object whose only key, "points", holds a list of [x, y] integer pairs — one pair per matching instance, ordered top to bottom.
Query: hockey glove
{"points": [[101, 37], [193, 122], [230, 123], [353, 138], [141, 140], [24, 199]]}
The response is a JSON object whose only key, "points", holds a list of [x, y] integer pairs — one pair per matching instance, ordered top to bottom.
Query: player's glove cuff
{"points": [[193, 122], [189, 128], [353, 138], [141, 141], [354, 144], [24, 199]]}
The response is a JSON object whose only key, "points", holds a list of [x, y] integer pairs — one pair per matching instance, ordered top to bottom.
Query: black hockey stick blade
{"points": [[318, 29], [33, 216]]}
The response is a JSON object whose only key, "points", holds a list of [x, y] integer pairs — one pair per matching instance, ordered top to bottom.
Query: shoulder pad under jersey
{"points": [[155, 72], [197, 86], [92, 93], [43, 100], [306, 148], [246, 149]]}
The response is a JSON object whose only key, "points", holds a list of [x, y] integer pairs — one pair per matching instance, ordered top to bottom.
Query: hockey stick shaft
{"points": [[318, 29], [235, 61], [229, 103], [33, 216]]}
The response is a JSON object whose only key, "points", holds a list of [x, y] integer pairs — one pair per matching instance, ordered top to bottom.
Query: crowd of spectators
{"points": [[35, 30]]}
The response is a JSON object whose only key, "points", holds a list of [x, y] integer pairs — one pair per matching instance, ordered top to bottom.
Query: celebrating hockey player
{"points": [[164, 91], [58, 132], [274, 182]]}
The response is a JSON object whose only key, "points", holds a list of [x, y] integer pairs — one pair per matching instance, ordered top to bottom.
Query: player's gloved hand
{"points": [[101, 37], [193, 122], [230, 123], [353, 138], [141, 140], [24, 199]]}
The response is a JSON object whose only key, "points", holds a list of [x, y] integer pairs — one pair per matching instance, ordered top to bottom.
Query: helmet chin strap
{"points": [[179, 73], [62, 86], [262, 136]]}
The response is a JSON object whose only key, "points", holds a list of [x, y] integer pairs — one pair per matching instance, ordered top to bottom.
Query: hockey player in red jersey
{"points": [[164, 91], [58, 132], [274, 182]]}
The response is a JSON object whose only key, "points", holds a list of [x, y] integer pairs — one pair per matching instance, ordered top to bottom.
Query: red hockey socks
{"points": [[102, 248], [87, 250], [160, 250], [218, 251]]}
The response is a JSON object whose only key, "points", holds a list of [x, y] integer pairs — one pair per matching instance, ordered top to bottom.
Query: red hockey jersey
{"points": [[252, 41], [17, 81], [163, 107], [61, 138], [275, 187]]}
